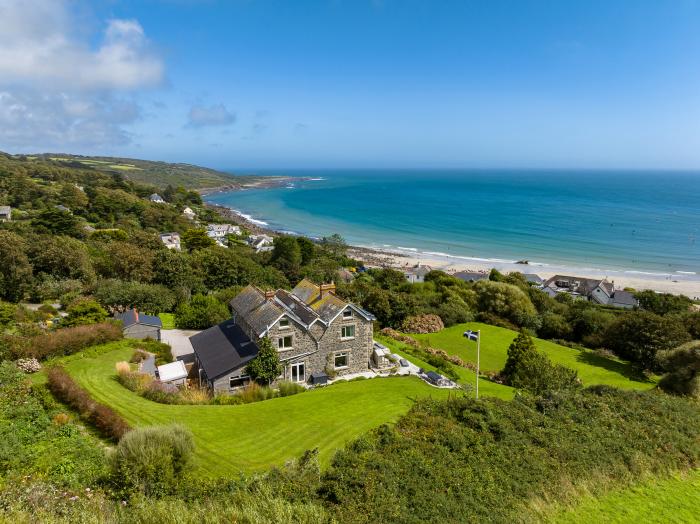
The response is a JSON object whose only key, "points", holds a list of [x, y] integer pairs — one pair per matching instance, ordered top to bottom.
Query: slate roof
{"points": [[469, 276], [532, 278], [585, 286], [624, 298], [304, 304], [258, 311], [132, 316], [223, 348]]}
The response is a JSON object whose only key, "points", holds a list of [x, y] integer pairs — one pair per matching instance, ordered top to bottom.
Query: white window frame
{"points": [[347, 314], [286, 325], [346, 337], [280, 343], [341, 354], [297, 365], [242, 377]]}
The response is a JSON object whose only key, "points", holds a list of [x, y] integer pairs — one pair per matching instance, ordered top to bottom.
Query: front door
{"points": [[298, 372]]}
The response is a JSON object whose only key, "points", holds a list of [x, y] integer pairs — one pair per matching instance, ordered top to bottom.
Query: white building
{"points": [[156, 198], [5, 213], [189, 213], [219, 231], [171, 240], [261, 243], [417, 273], [173, 373]]}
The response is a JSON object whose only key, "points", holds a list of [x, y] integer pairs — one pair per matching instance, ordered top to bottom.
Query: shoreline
{"points": [[258, 182], [397, 258]]}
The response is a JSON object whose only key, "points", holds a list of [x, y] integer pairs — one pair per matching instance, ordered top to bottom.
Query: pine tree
{"points": [[520, 350], [265, 367]]}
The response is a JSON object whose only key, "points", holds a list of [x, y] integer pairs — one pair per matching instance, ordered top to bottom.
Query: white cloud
{"points": [[39, 46], [62, 84], [215, 115], [30, 121]]}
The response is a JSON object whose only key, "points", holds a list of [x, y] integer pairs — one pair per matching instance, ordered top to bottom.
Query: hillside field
{"points": [[592, 368], [253, 437]]}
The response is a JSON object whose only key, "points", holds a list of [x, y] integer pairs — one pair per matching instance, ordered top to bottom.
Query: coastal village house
{"points": [[157, 199], [5, 213], [189, 213], [218, 232], [171, 240], [261, 243], [416, 274], [595, 290], [316, 333]]}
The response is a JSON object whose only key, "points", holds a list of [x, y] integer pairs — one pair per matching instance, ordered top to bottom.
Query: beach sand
{"points": [[666, 283]]}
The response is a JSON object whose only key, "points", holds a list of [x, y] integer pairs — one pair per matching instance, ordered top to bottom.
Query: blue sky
{"points": [[341, 83]]}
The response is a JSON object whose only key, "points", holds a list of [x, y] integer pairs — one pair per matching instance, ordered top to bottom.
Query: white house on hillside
{"points": [[156, 198], [5, 213], [189, 213], [219, 231], [171, 240], [261, 243]]}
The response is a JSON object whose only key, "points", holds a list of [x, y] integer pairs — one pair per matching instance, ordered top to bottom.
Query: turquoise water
{"points": [[641, 221]]}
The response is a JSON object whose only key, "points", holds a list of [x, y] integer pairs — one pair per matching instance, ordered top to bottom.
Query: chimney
{"points": [[326, 288], [269, 295], [136, 314]]}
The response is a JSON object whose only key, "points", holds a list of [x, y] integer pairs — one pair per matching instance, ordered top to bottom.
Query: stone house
{"points": [[595, 290], [138, 325], [314, 331]]}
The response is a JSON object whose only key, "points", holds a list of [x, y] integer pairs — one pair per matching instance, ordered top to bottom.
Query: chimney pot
{"points": [[269, 295]]}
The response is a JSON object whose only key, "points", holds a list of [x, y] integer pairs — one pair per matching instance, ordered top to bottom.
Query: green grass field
{"points": [[168, 320], [591, 368], [466, 376], [252, 437], [676, 499]]}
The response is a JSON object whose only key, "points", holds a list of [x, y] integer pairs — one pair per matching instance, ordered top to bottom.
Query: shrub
{"points": [[148, 298], [506, 301], [84, 312], [201, 312], [422, 324], [69, 340], [161, 350], [138, 356], [28, 365], [682, 366], [122, 367], [265, 367], [134, 381], [287, 388], [161, 392], [255, 393], [195, 396], [227, 400], [60, 419], [107, 421], [152, 460]]}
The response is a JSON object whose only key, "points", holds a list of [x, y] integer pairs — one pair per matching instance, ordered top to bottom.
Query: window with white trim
{"points": [[347, 313], [284, 323], [347, 332], [284, 343], [340, 360], [237, 382]]}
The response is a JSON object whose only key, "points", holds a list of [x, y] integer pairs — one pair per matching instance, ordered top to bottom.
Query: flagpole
{"points": [[478, 353]]}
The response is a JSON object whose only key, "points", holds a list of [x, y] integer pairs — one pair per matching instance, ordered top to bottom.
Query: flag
{"points": [[471, 335]]}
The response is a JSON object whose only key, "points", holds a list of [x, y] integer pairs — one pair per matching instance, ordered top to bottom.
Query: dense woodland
{"points": [[103, 254]]}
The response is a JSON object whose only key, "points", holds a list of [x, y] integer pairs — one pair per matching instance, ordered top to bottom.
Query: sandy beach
{"points": [[666, 283]]}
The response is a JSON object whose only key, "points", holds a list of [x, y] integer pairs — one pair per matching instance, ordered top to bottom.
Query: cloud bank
{"points": [[56, 88], [205, 116]]}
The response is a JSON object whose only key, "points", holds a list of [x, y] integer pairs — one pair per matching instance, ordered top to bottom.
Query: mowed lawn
{"points": [[591, 367], [253, 437], [675, 499]]}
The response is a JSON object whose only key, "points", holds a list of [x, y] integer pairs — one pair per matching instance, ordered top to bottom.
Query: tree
{"points": [[55, 221], [194, 239], [335, 245], [308, 250], [286, 256], [61, 257], [128, 261], [15, 269], [149, 298], [506, 301], [663, 303], [84, 312], [202, 312], [554, 326], [639, 335], [519, 350], [265, 367], [682, 367]]}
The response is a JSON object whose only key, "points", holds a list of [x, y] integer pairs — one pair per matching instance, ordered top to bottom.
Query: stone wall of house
{"points": [[140, 331], [222, 384]]}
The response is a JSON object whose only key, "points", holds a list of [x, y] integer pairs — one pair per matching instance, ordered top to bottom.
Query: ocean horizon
{"points": [[644, 222]]}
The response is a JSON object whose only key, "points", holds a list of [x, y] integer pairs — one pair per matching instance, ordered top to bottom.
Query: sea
{"points": [[645, 222]]}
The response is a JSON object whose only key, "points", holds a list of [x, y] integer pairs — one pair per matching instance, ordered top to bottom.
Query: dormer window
{"points": [[347, 314], [284, 323]]}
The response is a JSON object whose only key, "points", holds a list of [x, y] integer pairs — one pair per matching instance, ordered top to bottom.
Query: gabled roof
{"points": [[471, 276], [533, 278], [306, 290], [624, 298], [259, 312], [132, 316], [223, 348]]}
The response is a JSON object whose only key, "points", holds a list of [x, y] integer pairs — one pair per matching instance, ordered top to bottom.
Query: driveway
{"points": [[179, 341]]}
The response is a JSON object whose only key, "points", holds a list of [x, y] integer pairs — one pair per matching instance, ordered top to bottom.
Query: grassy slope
{"points": [[159, 174], [168, 320], [591, 368], [466, 376], [255, 436], [675, 499]]}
